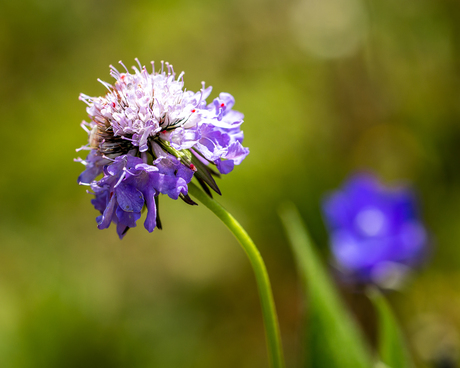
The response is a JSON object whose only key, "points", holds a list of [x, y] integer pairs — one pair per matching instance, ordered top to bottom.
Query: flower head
{"points": [[149, 136], [376, 233]]}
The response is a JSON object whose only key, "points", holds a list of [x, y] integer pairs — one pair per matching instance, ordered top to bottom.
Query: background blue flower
{"points": [[376, 233]]}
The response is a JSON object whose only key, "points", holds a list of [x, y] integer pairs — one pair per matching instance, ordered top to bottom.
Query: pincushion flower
{"points": [[149, 136], [376, 232]]}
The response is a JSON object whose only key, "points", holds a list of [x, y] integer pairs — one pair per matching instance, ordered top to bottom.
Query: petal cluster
{"points": [[149, 136], [376, 232]]}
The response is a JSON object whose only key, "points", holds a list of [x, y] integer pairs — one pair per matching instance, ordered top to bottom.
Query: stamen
{"points": [[138, 63], [136, 70], [127, 71], [114, 72], [105, 84], [202, 92], [85, 98], [84, 125], [126, 138], [86, 147], [107, 157], [129, 172], [122, 176]]}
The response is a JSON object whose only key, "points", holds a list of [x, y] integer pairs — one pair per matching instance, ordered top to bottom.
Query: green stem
{"points": [[266, 297]]}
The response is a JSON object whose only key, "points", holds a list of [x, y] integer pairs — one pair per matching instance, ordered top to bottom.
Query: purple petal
{"points": [[237, 153], [224, 166], [94, 167], [129, 198], [106, 218], [127, 218], [151, 219], [372, 225], [121, 230]]}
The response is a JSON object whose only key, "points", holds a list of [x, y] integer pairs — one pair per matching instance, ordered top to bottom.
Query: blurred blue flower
{"points": [[149, 136], [376, 233]]}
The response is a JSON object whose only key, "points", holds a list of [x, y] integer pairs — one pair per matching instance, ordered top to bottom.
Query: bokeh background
{"points": [[327, 87]]}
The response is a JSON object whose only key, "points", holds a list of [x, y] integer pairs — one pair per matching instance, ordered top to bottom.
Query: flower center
{"points": [[371, 221]]}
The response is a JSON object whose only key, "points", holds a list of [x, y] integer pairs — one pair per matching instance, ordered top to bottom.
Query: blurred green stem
{"points": [[266, 297], [393, 350]]}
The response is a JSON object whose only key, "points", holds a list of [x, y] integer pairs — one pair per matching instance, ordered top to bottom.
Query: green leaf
{"points": [[334, 340], [392, 349]]}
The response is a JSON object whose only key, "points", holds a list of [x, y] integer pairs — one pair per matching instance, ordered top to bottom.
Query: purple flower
{"points": [[148, 136], [94, 163], [376, 233]]}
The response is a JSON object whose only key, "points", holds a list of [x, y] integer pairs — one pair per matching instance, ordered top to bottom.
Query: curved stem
{"points": [[266, 297]]}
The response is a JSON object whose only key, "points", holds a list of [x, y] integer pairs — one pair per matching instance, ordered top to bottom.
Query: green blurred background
{"points": [[327, 87]]}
